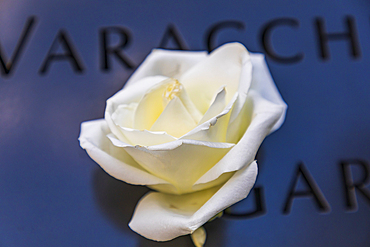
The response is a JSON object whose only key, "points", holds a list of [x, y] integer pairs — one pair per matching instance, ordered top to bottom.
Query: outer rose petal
{"points": [[167, 63], [221, 68], [263, 83], [267, 110], [265, 116], [113, 160], [181, 162], [163, 217]]}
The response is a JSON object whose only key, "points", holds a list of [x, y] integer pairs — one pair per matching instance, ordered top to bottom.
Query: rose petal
{"points": [[167, 63], [223, 66], [246, 74], [263, 83], [134, 92], [126, 97], [189, 105], [150, 106], [217, 106], [166, 107], [240, 107], [262, 112], [124, 115], [265, 116], [240, 118], [175, 119], [215, 129], [145, 137], [115, 161], [172, 162], [220, 180], [172, 189], [163, 217]]}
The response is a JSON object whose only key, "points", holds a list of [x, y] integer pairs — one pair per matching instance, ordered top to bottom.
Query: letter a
{"points": [[313, 190]]}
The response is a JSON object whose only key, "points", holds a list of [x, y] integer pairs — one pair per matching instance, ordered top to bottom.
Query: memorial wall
{"points": [[61, 60]]}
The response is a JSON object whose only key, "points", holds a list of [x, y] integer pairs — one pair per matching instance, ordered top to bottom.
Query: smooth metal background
{"points": [[53, 194]]}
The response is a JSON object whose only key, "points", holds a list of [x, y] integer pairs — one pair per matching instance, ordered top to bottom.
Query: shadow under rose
{"points": [[260, 156], [117, 200]]}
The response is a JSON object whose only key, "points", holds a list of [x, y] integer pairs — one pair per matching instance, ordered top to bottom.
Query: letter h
{"points": [[324, 37]]}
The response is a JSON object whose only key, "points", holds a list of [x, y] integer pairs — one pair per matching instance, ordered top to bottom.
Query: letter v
{"points": [[7, 66]]}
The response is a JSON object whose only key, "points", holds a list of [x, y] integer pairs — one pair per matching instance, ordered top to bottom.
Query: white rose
{"points": [[187, 125]]}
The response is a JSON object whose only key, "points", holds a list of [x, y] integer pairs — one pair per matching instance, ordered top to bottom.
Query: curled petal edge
{"points": [[263, 83], [124, 96], [266, 114], [94, 133], [170, 145], [163, 217]]}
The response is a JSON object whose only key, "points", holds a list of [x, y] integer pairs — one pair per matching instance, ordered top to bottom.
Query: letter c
{"points": [[267, 44]]}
